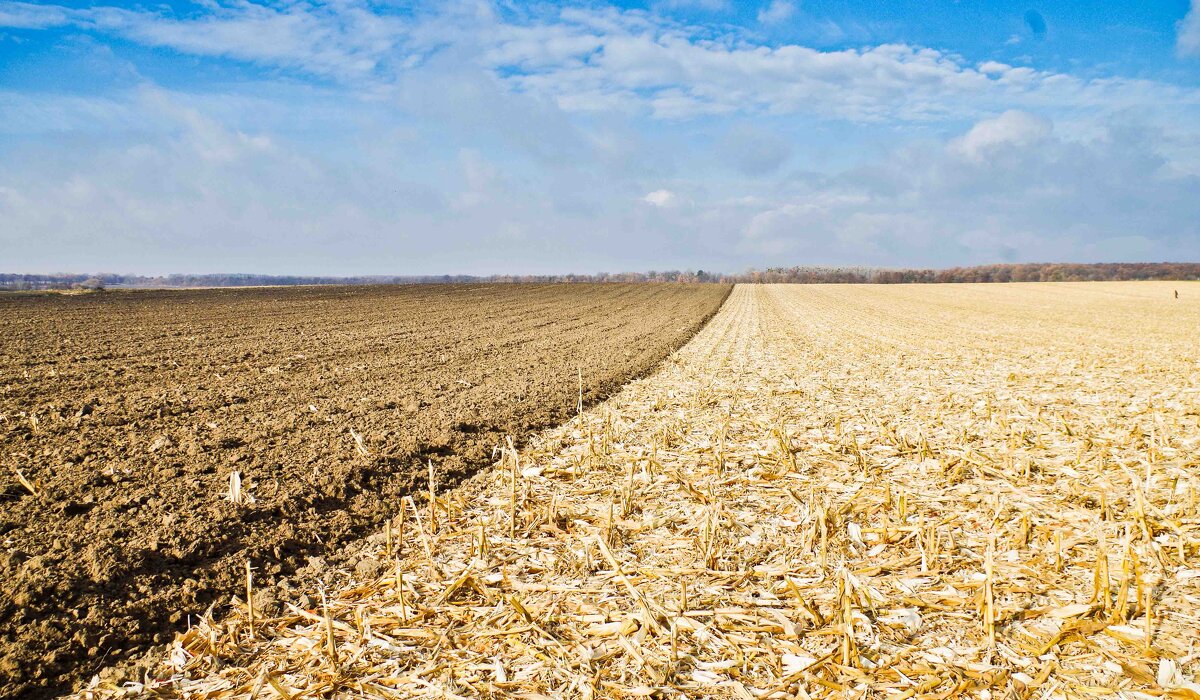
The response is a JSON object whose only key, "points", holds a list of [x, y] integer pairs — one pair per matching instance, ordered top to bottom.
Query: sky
{"points": [[377, 137]]}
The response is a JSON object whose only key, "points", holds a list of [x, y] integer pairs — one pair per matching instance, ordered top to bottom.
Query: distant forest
{"points": [[1020, 272]]}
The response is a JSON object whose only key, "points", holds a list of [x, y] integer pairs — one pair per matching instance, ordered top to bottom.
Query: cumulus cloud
{"points": [[776, 11], [1188, 40], [1014, 130], [660, 198], [1047, 198]]}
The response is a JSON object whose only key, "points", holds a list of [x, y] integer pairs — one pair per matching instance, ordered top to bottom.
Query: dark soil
{"points": [[128, 411]]}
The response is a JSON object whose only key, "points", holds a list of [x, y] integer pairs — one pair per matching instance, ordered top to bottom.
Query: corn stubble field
{"points": [[831, 491]]}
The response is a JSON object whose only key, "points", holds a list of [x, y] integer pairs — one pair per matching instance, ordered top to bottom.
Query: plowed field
{"points": [[125, 415]]}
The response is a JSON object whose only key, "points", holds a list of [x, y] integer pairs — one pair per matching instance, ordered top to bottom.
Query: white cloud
{"points": [[776, 11], [20, 15], [345, 39], [1188, 41], [608, 60], [671, 72], [1013, 129], [189, 192], [192, 193], [660, 198], [1048, 198]]}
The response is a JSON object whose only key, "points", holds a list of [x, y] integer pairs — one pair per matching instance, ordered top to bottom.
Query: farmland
{"points": [[152, 442], [831, 491]]}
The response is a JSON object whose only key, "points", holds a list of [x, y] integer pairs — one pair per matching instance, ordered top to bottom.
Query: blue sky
{"points": [[356, 137]]}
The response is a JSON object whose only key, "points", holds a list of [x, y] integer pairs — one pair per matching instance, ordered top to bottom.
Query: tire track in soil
{"points": [[129, 410]]}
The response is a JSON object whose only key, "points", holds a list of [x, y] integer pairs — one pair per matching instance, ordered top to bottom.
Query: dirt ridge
{"points": [[127, 412]]}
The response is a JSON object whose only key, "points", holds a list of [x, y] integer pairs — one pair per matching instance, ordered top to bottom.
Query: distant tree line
{"points": [[1019, 272], [106, 280], [12, 282]]}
